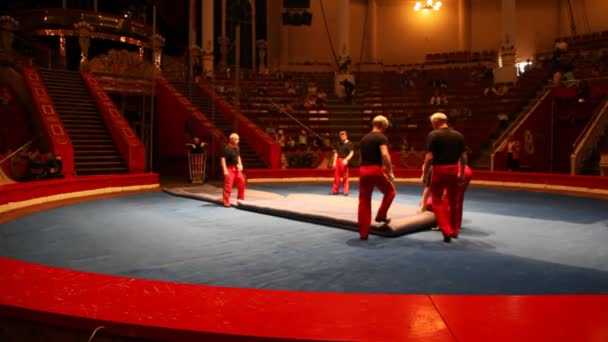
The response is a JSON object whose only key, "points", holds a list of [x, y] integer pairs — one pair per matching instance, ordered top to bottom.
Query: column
{"points": [[64, 4], [96, 6], [372, 7], [274, 25], [464, 25], [207, 36], [191, 38], [253, 39], [223, 40], [284, 47], [507, 72]]}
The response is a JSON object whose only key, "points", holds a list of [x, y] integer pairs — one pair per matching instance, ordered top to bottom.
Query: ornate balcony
{"points": [[59, 21]]}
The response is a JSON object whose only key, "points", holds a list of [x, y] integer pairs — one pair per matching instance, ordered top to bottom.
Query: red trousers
{"points": [[341, 171], [233, 174], [371, 176], [448, 197], [456, 213]]}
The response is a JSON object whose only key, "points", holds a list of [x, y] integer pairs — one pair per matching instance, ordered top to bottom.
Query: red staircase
{"points": [[94, 150]]}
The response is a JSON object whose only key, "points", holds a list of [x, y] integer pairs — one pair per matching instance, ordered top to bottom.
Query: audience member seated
{"points": [[561, 45], [557, 78], [568, 78], [311, 90], [500, 91], [6, 96], [321, 99], [439, 100], [310, 102], [504, 119], [270, 130], [281, 139], [303, 140], [291, 143], [41, 166]]}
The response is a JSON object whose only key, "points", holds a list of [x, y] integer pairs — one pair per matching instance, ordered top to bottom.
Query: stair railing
{"points": [[304, 126], [589, 138], [500, 143], [10, 155]]}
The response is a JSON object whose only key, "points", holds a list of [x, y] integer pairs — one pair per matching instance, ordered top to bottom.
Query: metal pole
{"points": [[571, 15], [253, 34], [190, 39], [237, 75], [151, 130], [551, 136], [211, 152]]}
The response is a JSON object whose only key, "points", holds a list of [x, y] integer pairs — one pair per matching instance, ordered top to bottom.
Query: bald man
{"points": [[447, 154], [233, 169], [376, 170]]}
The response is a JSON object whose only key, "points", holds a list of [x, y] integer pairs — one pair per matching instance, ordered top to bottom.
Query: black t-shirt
{"points": [[446, 144], [370, 148], [344, 149], [231, 154]]}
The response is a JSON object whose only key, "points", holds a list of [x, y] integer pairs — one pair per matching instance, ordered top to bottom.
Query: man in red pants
{"points": [[343, 152], [447, 154], [375, 156], [233, 169], [456, 213]]}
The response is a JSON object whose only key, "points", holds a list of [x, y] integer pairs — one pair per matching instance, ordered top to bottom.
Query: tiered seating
{"points": [[590, 41], [461, 57], [259, 93], [381, 93], [409, 108]]}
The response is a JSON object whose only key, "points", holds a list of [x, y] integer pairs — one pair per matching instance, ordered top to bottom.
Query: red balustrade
{"points": [[54, 135], [129, 145]]}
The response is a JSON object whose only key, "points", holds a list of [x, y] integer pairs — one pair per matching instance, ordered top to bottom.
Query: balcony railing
{"points": [[55, 21]]}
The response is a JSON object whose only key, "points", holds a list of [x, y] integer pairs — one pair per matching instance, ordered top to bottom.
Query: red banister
{"points": [[170, 100], [53, 132], [129, 145], [265, 146]]}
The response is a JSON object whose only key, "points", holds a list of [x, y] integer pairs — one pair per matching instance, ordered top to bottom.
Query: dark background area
{"points": [[171, 21]]}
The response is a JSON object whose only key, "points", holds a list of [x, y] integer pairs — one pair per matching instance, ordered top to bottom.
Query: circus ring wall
{"points": [[171, 311]]}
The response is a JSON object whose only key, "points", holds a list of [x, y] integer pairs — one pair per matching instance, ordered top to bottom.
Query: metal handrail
{"points": [[590, 124], [308, 129], [583, 139], [499, 144], [10, 155]]}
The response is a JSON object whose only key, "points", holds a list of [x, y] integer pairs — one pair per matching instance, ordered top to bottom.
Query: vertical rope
{"points": [[571, 16], [586, 18], [363, 35], [331, 44]]}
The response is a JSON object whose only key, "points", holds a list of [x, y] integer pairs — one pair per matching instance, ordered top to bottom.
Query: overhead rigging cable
{"points": [[585, 17], [363, 36], [331, 44]]}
